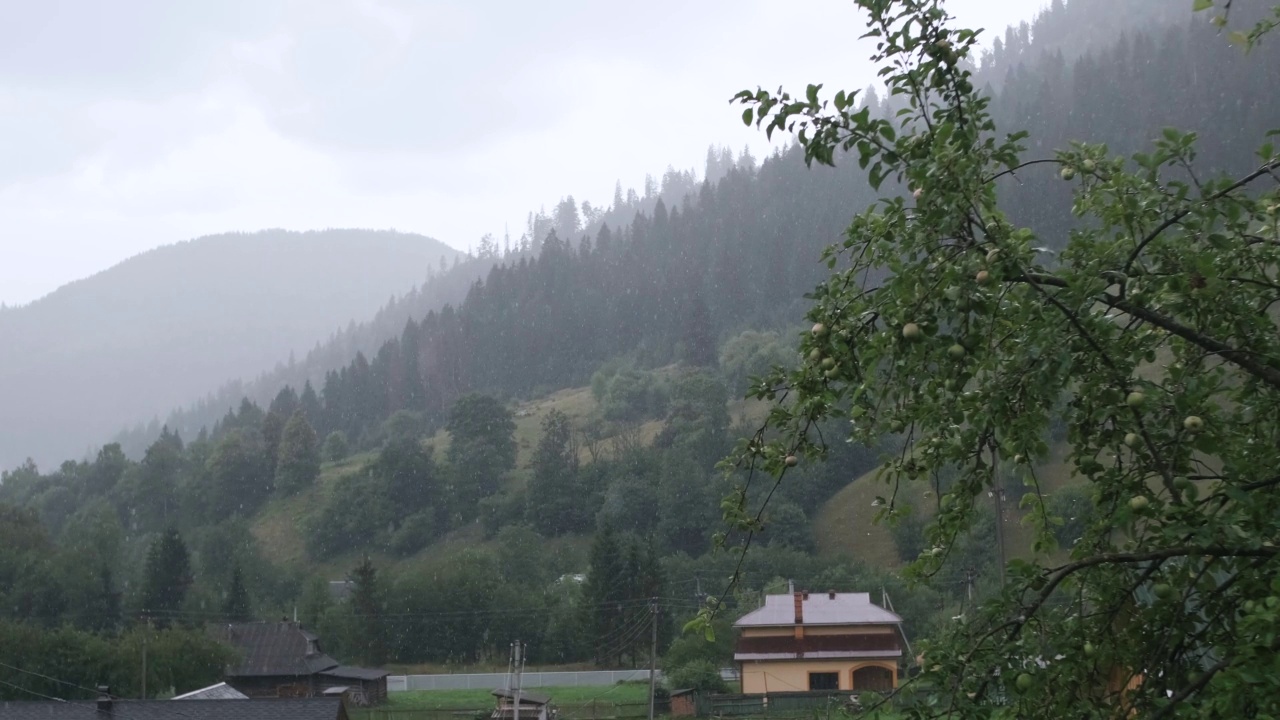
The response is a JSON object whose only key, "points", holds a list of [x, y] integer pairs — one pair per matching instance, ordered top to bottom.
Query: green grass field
{"points": [[845, 527], [619, 694]]}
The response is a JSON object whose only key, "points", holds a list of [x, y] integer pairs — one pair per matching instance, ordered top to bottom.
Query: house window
{"points": [[873, 677], [824, 681]]}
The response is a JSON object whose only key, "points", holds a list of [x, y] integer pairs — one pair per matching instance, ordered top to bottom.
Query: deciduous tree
{"points": [[1151, 335]]}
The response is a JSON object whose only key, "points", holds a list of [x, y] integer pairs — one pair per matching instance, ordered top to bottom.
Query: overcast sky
{"points": [[129, 124]]}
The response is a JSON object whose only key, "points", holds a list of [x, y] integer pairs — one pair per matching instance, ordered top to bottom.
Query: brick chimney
{"points": [[799, 601], [104, 699]]}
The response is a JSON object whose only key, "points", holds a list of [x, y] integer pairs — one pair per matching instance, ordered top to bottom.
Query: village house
{"points": [[805, 642], [280, 659]]}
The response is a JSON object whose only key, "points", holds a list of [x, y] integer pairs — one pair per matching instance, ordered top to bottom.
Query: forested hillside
{"points": [[442, 286], [163, 327], [416, 467]]}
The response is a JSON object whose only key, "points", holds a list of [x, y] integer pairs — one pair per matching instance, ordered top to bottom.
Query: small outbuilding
{"points": [[531, 705]]}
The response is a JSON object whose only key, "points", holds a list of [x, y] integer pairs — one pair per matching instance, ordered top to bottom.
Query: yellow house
{"points": [[819, 641]]}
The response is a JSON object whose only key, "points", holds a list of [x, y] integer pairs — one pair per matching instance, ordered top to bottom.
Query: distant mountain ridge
{"points": [[164, 326]]}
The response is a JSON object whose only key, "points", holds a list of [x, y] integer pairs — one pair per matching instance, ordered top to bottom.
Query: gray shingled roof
{"points": [[820, 609], [272, 649], [348, 672], [261, 709]]}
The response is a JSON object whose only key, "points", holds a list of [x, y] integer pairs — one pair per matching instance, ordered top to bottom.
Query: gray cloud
{"points": [[129, 124]]}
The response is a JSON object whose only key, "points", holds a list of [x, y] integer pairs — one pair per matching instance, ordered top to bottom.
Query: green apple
{"points": [[1068, 173], [983, 277], [912, 331], [957, 351], [1135, 399], [1193, 423], [1132, 439], [791, 461], [1139, 502], [1024, 682]]}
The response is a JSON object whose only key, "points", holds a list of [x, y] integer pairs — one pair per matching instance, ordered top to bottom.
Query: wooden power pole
{"points": [[653, 652], [519, 667]]}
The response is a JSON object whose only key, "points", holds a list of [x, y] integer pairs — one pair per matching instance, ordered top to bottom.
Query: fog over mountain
{"points": [[171, 324]]}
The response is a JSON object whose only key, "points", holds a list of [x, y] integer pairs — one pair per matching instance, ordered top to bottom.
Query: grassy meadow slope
{"points": [[279, 526], [844, 527]]}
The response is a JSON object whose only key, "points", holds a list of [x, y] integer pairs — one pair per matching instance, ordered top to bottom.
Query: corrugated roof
{"points": [[820, 609], [820, 655], [221, 691], [257, 709]]}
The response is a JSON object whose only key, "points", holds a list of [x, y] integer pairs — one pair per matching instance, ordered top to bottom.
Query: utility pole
{"points": [[998, 491], [145, 633], [653, 652], [519, 668]]}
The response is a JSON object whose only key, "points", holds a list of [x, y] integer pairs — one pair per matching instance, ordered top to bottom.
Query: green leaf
{"points": [[1199, 5], [746, 117]]}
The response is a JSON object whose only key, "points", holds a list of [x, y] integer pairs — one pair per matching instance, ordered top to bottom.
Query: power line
{"points": [[93, 707]]}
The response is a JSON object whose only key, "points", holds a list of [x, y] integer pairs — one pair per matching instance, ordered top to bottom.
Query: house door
{"points": [[873, 677]]}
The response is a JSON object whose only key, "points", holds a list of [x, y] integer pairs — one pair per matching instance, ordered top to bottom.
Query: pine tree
{"points": [[272, 432], [555, 501], [166, 576], [603, 593], [236, 606], [366, 608]]}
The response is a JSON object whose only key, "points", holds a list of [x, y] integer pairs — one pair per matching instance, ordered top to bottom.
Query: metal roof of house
{"points": [[819, 609], [221, 691], [256, 709]]}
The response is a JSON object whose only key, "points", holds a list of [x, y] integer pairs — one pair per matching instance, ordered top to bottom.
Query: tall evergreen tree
{"points": [[272, 432], [482, 448], [555, 501], [166, 577], [603, 594], [236, 606], [366, 608]]}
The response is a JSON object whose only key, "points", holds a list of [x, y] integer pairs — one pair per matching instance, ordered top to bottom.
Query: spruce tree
{"points": [[166, 577], [603, 593], [236, 606], [366, 608]]}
